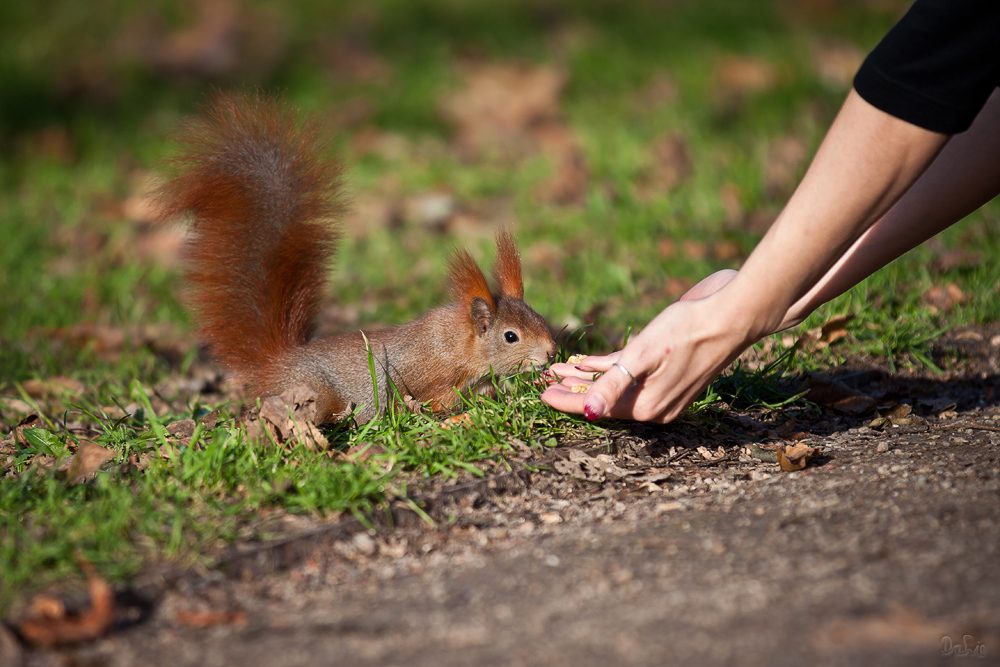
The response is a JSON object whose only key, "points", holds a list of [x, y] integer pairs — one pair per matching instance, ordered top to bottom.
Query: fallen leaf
{"points": [[353, 61], [836, 63], [736, 76], [660, 91], [500, 105], [784, 162], [672, 164], [570, 180], [731, 198], [956, 258], [944, 297], [821, 337], [54, 386], [836, 395], [15, 405], [413, 405], [897, 415], [288, 417], [463, 420], [31, 421], [182, 429], [365, 450], [794, 457], [87, 460], [581, 466], [654, 477], [54, 626]]}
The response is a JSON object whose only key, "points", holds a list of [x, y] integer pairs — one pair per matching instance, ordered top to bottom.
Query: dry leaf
{"points": [[353, 61], [836, 63], [736, 76], [660, 91], [501, 104], [786, 158], [672, 164], [568, 185], [956, 258], [944, 297], [833, 330], [55, 386], [836, 395], [413, 405], [897, 415], [288, 417], [463, 420], [31, 421], [182, 429], [365, 450], [794, 457], [87, 460], [581, 466], [55, 627]]}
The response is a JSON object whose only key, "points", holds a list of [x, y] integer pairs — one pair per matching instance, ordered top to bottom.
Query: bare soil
{"points": [[651, 546]]}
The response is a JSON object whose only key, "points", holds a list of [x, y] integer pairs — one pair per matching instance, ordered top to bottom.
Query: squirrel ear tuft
{"points": [[507, 269], [468, 281]]}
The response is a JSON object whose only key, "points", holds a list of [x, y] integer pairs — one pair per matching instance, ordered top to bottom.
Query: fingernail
{"points": [[584, 369], [595, 408]]}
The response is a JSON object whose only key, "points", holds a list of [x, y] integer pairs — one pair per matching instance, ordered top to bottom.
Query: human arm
{"points": [[867, 160], [963, 177]]}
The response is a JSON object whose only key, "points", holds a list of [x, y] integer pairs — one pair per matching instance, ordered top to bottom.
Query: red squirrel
{"points": [[263, 202]]}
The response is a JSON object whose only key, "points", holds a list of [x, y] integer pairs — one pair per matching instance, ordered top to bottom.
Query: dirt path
{"points": [[884, 551]]}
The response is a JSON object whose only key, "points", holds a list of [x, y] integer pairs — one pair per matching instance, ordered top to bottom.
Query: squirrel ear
{"points": [[507, 269], [467, 280], [482, 314]]}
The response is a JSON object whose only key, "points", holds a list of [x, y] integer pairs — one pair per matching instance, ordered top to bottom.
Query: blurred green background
{"points": [[633, 146]]}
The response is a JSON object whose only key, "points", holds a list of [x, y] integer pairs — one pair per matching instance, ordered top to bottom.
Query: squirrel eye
{"points": [[510, 337]]}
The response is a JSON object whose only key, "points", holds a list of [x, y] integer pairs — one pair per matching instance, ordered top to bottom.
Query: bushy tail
{"points": [[264, 202]]}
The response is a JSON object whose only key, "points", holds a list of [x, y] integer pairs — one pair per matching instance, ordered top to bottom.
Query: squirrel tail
{"points": [[264, 203]]}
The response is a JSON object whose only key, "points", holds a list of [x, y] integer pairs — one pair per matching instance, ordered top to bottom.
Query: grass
{"points": [[82, 126]]}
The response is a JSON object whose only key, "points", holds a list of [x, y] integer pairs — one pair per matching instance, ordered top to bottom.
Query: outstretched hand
{"points": [[672, 360]]}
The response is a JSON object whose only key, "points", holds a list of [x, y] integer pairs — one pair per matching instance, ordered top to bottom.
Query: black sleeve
{"points": [[937, 67]]}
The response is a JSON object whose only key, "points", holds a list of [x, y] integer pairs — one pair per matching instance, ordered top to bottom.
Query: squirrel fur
{"points": [[264, 201]]}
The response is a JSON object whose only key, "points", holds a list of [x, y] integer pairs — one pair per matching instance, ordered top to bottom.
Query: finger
{"points": [[600, 362], [571, 370], [605, 393], [562, 397]]}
